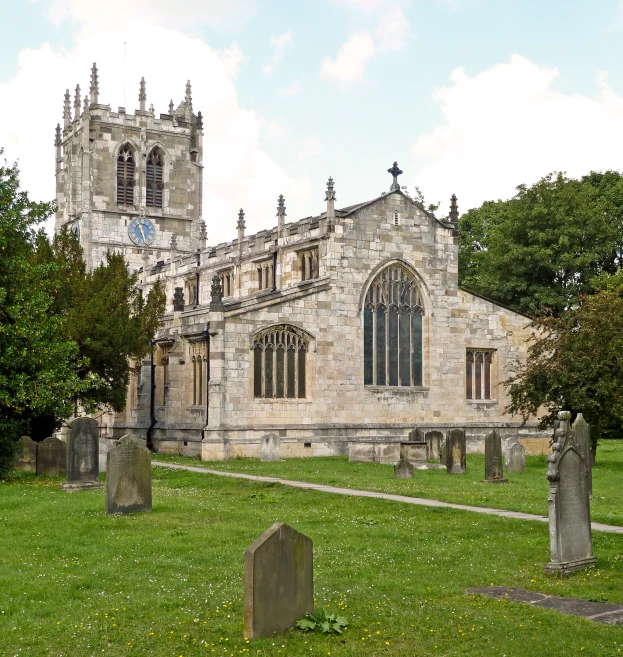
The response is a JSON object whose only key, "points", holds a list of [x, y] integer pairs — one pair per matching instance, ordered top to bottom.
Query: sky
{"points": [[470, 97]]}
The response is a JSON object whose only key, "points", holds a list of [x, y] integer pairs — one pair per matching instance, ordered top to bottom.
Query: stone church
{"points": [[345, 326]]}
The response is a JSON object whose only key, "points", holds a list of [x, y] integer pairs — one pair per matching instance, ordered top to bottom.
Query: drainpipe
{"points": [[207, 379], [152, 401]]}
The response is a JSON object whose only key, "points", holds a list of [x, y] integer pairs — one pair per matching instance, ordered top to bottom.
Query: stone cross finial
{"points": [[94, 89], [142, 95], [77, 99], [171, 107], [67, 110], [57, 136], [395, 171], [330, 193], [454, 210], [203, 235], [216, 294]]}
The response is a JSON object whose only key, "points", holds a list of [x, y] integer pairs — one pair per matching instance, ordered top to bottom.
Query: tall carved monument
{"points": [[571, 543]]}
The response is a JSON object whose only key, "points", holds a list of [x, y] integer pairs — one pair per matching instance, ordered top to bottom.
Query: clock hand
{"points": [[143, 234]]}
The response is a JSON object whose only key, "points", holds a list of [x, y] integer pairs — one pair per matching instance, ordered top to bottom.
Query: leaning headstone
{"points": [[583, 438], [433, 445], [269, 448], [456, 448], [443, 452], [26, 455], [82, 455], [51, 457], [516, 458], [493, 459], [404, 468], [128, 477], [571, 543], [278, 581]]}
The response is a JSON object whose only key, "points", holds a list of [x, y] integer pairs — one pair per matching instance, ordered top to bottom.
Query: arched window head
{"points": [[125, 175], [154, 179], [392, 329], [280, 363]]}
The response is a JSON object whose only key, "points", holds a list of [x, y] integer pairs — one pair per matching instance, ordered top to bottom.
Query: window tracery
{"points": [[125, 175], [154, 179], [308, 264], [227, 282], [393, 329], [280, 363], [198, 364], [478, 373]]}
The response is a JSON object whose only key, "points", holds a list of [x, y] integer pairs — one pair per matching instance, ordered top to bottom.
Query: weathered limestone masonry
{"points": [[89, 178], [324, 312], [346, 326]]}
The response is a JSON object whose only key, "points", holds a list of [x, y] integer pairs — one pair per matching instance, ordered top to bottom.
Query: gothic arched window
{"points": [[125, 176], [154, 179], [392, 330], [280, 363]]}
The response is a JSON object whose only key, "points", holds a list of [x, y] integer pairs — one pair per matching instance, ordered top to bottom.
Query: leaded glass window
{"points": [[392, 330], [280, 363], [478, 365]]}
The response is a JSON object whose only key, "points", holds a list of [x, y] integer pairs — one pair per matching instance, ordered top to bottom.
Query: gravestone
{"points": [[416, 436], [583, 437], [433, 445], [269, 448], [456, 448], [443, 452], [26, 455], [82, 455], [51, 457], [516, 458], [493, 459], [404, 468], [128, 477], [571, 543], [278, 581]]}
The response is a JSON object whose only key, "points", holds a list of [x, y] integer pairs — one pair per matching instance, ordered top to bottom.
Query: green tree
{"points": [[540, 251], [107, 317], [38, 361], [575, 363]]}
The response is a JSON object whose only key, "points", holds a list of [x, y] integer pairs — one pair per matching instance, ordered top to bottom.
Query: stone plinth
{"points": [[455, 446], [269, 448], [415, 452], [26, 455], [82, 455], [51, 457], [493, 459], [128, 477], [571, 543], [278, 581]]}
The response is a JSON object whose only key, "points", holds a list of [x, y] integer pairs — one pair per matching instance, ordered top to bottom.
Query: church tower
{"points": [[129, 183]]}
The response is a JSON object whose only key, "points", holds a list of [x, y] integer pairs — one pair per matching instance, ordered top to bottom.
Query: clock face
{"points": [[141, 231]]}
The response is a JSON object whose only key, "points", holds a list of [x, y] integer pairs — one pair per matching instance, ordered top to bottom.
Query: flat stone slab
{"points": [[73, 486], [600, 612]]}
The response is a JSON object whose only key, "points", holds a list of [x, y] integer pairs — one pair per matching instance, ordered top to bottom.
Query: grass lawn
{"points": [[525, 491], [76, 582]]}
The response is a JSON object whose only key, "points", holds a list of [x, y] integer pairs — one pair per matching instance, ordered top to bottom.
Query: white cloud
{"points": [[178, 14], [388, 33], [279, 44], [232, 59], [350, 63], [293, 89], [507, 126], [273, 130], [311, 148], [238, 173]]}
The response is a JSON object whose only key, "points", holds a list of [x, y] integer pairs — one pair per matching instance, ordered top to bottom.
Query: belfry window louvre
{"points": [[125, 176], [154, 179], [392, 330], [280, 363], [478, 373]]}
